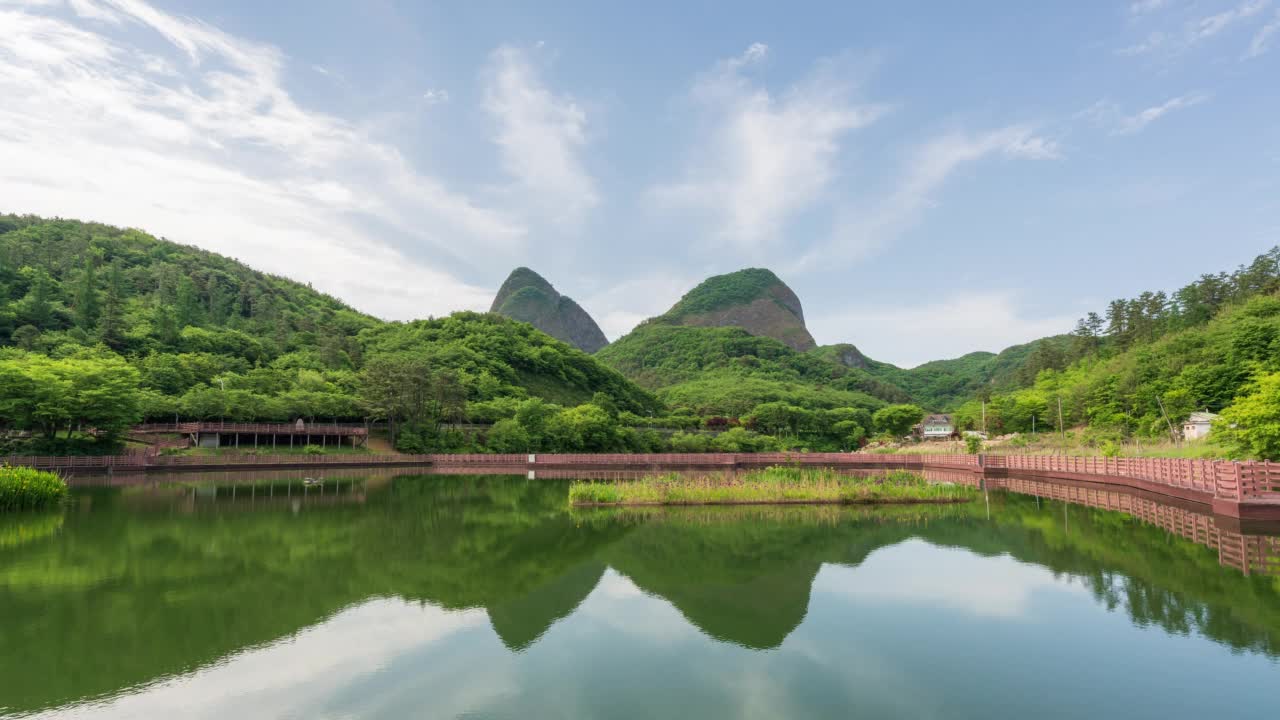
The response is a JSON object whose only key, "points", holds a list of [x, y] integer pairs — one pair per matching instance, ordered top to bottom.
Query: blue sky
{"points": [[931, 178]]}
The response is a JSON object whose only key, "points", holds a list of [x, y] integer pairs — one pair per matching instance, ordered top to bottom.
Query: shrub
{"points": [[973, 444], [312, 450], [24, 488]]}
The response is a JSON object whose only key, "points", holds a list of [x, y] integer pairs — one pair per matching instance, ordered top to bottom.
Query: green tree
{"points": [[86, 297], [187, 306], [36, 307], [111, 322], [26, 336], [47, 395], [535, 415], [897, 420], [1251, 425], [508, 436]]}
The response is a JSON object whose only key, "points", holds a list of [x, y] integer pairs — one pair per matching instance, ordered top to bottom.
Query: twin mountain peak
{"points": [[753, 299]]}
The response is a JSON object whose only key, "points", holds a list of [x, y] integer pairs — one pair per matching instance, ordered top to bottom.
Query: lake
{"points": [[376, 595]]}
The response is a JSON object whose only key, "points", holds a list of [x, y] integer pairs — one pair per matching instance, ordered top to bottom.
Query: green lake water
{"points": [[485, 597]]}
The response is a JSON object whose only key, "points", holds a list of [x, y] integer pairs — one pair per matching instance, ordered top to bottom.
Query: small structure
{"points": [[1198, 425], [937, 427], [231, 434]]}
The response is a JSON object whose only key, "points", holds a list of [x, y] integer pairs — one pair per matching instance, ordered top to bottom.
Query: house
{"points": [[1197, 426], [936, 427]]}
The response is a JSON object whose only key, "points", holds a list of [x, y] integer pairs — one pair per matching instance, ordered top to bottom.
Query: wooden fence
{"points": [[1220, 479]]}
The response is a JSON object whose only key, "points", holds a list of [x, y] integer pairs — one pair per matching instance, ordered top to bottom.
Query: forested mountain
{"points": [[526, 296], [753, 299], [748, 324], [102, 327], [716, 370], [941, 384]]}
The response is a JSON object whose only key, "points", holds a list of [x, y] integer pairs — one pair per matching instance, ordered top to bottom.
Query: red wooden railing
{"points": [[1219, 478], [1253, 481]]}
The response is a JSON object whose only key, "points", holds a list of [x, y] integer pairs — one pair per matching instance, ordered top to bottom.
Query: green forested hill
{"points": [[63, 281], [528, 297], [753, 299], [101, 327], [1155, 358], [942, 384]]}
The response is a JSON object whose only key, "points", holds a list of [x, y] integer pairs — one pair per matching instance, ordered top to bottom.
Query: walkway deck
{"points": [[1247, 490]]}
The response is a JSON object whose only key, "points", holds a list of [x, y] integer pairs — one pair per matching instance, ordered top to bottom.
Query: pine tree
{"points": [[86, 298], [187, 306], [36, 308], [111, 323], [165, 325]]}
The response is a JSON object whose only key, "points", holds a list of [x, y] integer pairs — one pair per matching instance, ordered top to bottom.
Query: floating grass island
{"points": [[771, 486], [23, 488]]}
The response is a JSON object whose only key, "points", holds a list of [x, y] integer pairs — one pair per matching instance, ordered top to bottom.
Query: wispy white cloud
{"points": [[93, 10], [1211, 25], [1262, 39], [1175, 41], [434, 96], [1137, 122], [540, 135], [198, 139], [764, 158], [864, 227]]}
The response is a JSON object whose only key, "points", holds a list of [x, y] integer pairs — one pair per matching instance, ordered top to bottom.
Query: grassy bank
{"points": [[778, 485], [25, 489]]}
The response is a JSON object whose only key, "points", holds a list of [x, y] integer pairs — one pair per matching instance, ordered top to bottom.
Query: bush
{"points": [[1251, 425], [973, 444], [312, 450], [24, 488]]}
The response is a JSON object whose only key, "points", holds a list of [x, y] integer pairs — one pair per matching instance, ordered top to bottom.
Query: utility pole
{"points": [[1061, 427], [1172, 435]]}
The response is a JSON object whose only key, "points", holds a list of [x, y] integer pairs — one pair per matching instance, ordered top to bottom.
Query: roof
{"points": [[1202, 417], [936, 420]]}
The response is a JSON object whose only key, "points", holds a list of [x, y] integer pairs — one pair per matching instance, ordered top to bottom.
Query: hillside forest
{"points": [[102, 328]]}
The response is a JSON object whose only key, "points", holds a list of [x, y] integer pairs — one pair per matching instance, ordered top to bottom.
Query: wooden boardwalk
{"points": [[1247, 490]]}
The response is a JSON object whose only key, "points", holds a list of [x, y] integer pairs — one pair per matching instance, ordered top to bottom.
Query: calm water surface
{"points": [[479, 597]]}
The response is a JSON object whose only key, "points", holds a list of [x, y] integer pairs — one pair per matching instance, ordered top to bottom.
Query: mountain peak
{"points": [[528, 297], [754, 299]]}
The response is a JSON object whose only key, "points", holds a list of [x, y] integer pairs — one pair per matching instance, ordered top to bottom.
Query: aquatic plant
{"points": [[771, 485], [24, 488]]}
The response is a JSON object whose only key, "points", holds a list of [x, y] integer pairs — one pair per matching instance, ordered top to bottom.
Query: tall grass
{"points": [[772, 485], [26, 489]]}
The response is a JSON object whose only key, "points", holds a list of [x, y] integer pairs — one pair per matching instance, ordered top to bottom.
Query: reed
{"points": [[775, 485], [23, 488]]}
